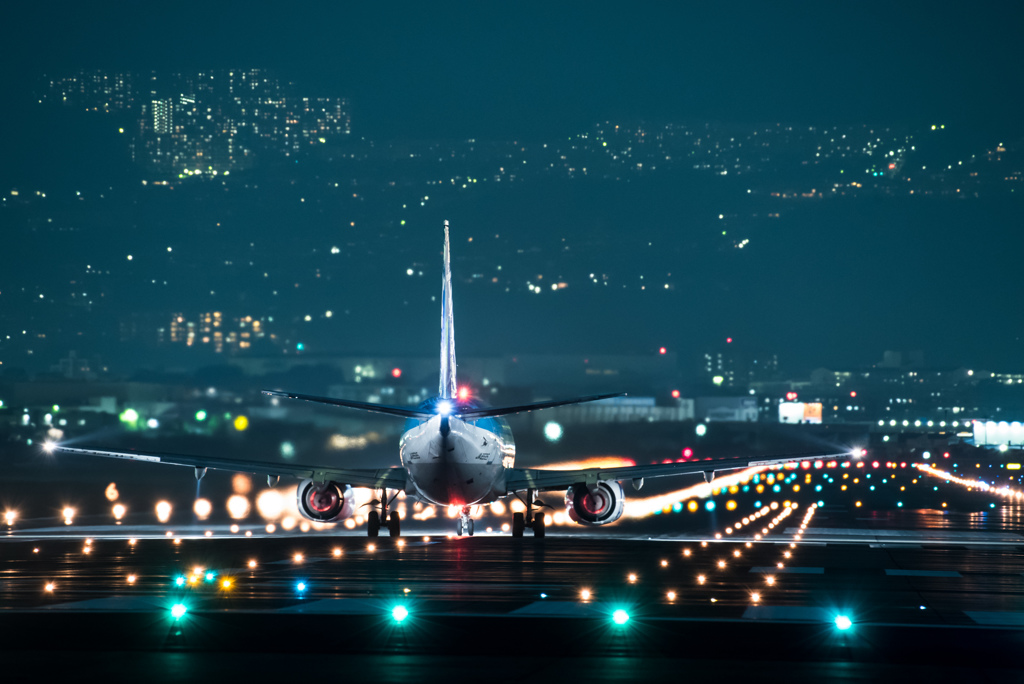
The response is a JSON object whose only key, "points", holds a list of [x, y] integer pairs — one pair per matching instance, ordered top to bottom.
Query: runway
{"points": [[933, 588]]}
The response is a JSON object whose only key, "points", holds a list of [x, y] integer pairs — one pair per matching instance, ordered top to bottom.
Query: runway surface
{"points": [[937, 589]]}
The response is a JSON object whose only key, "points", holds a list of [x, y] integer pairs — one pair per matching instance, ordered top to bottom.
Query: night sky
{"points": [[521, 69], [828, 289]]}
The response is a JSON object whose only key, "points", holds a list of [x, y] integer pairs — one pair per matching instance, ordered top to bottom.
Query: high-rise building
{"points": [[163, 116]]}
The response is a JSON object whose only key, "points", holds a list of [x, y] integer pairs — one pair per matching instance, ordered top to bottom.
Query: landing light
{"points": [[444, 408], [49, 446], [301, 586], [178, 610], [399, 613], [620, 617], [843, 623]]}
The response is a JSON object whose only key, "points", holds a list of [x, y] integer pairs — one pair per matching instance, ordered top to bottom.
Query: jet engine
{"points": [[330, 502], [600, 507]]}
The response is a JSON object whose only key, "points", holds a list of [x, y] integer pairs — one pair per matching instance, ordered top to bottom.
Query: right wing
{"points": [[390, 478], [517, 479]]}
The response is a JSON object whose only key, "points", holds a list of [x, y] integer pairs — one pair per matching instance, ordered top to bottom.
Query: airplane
{"points": [[454, 452]]}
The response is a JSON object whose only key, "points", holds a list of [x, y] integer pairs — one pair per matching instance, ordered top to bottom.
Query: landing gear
{"points": [[536, 520], [391, 521], [518, 524], [538, 525], [464, 526]]}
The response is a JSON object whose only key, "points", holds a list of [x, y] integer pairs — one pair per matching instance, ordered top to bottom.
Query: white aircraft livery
{"points": [[454, 452]]}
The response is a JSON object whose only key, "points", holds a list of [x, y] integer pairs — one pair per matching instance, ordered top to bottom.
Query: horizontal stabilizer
{"points": [[360, 405], [473, 414]]}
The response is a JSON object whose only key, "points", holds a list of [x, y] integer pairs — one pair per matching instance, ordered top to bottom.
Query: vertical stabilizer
{"points": [[447, 389]]}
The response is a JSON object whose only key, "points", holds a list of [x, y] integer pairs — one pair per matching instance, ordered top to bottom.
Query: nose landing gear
{"points": [[464, 526]]}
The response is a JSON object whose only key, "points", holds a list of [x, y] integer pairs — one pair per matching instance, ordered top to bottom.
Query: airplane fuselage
{"points": [[458, 464]]}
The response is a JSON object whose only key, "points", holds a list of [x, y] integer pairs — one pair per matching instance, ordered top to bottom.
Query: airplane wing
{"points": [[390, 478], [517, 479]]}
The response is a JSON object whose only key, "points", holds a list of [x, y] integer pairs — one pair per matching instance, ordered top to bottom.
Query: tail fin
{"points": [[447, 389]]}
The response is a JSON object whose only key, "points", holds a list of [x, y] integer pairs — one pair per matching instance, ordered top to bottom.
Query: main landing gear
{"points": [[390, 520], [519, 520], [464, 526]]}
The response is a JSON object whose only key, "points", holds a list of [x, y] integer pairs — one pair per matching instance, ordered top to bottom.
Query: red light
{"points": [[892, 166], [728, 340], [663, 351], [396, 372], [463, 393], [853, 393], [675, 394], [791, 396], [687, 452], [945, 455], [805, 464], [875, 464]]}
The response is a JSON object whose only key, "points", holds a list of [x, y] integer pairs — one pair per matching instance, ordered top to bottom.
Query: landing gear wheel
{"points": [[373, 524], [518, 524], [394, 525], [538, 525], [458, 527], [469, 527]]}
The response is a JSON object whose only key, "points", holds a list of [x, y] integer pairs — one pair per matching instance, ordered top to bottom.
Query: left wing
{"points": [[390, 478], [517, 479]]}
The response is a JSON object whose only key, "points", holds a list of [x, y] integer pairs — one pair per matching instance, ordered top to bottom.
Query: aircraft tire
{"points": [[373, 524], [518, 524], [394, 525], [538, 525]]}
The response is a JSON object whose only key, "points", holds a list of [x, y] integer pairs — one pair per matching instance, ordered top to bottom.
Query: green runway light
{"points": [[200, 415], [620, 617]]}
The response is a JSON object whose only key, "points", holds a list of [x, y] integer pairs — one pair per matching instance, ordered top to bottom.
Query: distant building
{"points": [[727, 409]]}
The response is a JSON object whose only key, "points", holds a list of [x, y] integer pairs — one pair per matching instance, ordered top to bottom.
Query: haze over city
{"points": [[705, 179]]}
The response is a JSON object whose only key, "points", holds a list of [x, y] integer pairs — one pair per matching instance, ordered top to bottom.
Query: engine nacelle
{"points": [[328, 503], [603, 506]]}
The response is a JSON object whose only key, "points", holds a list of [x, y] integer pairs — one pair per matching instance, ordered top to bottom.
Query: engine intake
{"points": [[327, 503], [602, 506]]}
